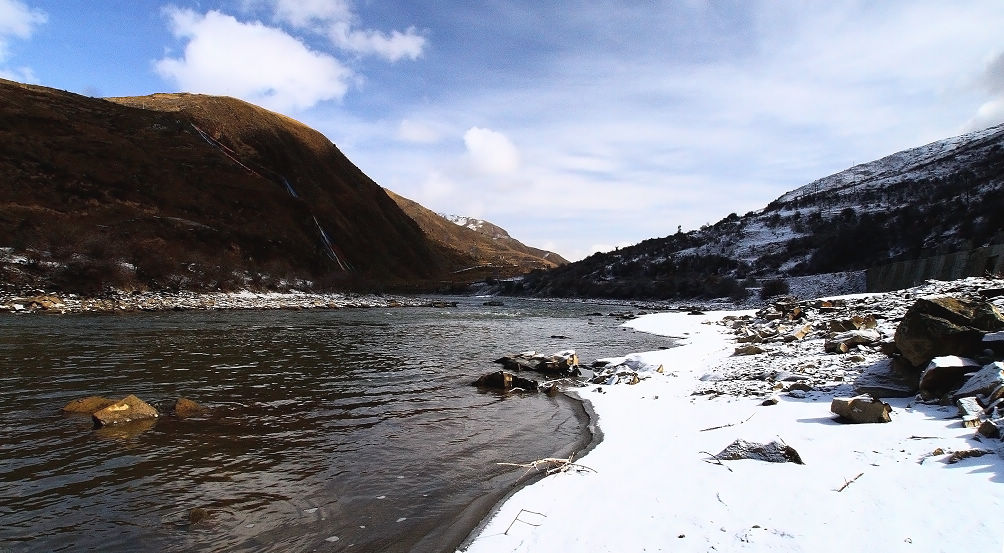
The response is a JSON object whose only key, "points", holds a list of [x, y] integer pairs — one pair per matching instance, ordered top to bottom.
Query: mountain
{"points": [[190, 191], [943, 197], [493, 252]]}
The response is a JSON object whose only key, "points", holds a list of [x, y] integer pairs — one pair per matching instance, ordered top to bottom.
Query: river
{"points": [[329, 430]]}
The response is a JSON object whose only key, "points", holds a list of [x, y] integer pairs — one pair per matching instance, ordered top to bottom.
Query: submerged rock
{"points": [[185, 408], [129, 409]]}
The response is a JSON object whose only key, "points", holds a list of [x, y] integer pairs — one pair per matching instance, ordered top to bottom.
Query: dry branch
{"points": [[849, 482]]}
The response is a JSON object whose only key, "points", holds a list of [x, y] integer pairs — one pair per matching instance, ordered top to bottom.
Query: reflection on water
{"points": [[328, 429]]}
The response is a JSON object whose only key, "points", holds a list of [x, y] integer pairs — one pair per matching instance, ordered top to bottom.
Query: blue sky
{"points": [[577, 125]]}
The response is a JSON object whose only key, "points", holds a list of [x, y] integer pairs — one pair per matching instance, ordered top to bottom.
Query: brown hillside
{"points": [[189, 191], [492, 248]]}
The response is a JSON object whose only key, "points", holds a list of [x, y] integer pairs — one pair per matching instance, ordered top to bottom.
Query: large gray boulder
{"points": [[939, 326]]}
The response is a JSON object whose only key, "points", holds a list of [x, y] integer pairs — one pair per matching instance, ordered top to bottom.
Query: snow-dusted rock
{"points": [[946, 373], [984, 382], [861, 409]]}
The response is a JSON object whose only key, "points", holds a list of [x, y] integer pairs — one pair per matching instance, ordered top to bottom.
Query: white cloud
{"points": [[308, 13], [336, 20], [18, 21], [392, 47], [251, 61], [19, 74], [991, 112], [491, 152]]}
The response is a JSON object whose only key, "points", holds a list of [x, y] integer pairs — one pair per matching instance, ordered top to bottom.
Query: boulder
{"points": [[939, 326], [843, 342], [750, 349], [562, 363], [946, 373], [502, 380], [883, 380], [984, 382], [87, 405], [185, 408], [129, 409], [861, 409], [971, 412], [991, 429], [773, 452]]}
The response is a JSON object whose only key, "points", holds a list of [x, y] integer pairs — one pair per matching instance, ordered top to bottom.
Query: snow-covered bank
{"points": [[887, 487]]}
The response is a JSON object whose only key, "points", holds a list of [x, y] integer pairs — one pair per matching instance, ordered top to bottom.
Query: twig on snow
{"points": [[728, 425], [715, 460], [849, 482], [517, 519]]}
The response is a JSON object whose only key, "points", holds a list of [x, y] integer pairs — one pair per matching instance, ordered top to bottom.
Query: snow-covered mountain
{"points": [[942, 197]]}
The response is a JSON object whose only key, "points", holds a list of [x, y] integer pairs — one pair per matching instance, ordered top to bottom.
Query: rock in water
{"points": [[506, 381], [87, 405], [131, 408], [185, 408], [861, 409]]}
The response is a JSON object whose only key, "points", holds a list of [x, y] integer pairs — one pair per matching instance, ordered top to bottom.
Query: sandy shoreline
{"points": [[885, 486]]}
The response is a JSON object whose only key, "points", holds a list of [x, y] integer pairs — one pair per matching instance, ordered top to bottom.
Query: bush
{"points": [[774, 287]]}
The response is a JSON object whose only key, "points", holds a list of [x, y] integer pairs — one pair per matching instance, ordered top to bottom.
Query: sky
{"points": [[578, 126]]}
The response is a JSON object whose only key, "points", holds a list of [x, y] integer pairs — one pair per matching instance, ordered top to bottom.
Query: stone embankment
{"points": [[42, 302]]}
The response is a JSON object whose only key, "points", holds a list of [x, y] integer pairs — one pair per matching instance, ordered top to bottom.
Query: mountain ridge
{"points": [[940, 197]]}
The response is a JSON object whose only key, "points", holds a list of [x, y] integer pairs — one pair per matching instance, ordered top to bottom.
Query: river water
{"points": [[329, 430]]}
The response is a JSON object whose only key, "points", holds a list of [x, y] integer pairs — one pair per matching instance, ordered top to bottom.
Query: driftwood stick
{"points": [[728, 425], [849, 482]]}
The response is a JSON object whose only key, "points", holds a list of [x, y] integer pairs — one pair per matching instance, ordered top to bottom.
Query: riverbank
{"points": [[115, 302], [652, 484]]}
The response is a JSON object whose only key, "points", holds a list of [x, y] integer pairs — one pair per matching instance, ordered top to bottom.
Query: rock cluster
{"points": [[942, 342], [560, 365], [129, 410]]}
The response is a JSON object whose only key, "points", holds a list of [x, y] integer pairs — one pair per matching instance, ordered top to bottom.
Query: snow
{"points": [[886, 487]]}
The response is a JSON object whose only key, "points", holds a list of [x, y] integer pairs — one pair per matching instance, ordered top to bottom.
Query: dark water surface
{"points": [[330, 430]]}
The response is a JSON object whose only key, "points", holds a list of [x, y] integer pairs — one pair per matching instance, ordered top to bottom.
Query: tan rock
{"points": [[87, 405], [130, 409], [861, 409]]}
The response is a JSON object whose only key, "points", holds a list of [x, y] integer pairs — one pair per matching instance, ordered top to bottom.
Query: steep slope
{"points": [[190, 191], [943, 197], [491, 248]]}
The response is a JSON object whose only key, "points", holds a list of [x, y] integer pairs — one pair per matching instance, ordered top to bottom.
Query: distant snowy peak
{"points": [[929, 161], [477, 225]]}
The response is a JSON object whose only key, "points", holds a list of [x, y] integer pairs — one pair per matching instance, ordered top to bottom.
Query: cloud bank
{"points": [[274, 66]]}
